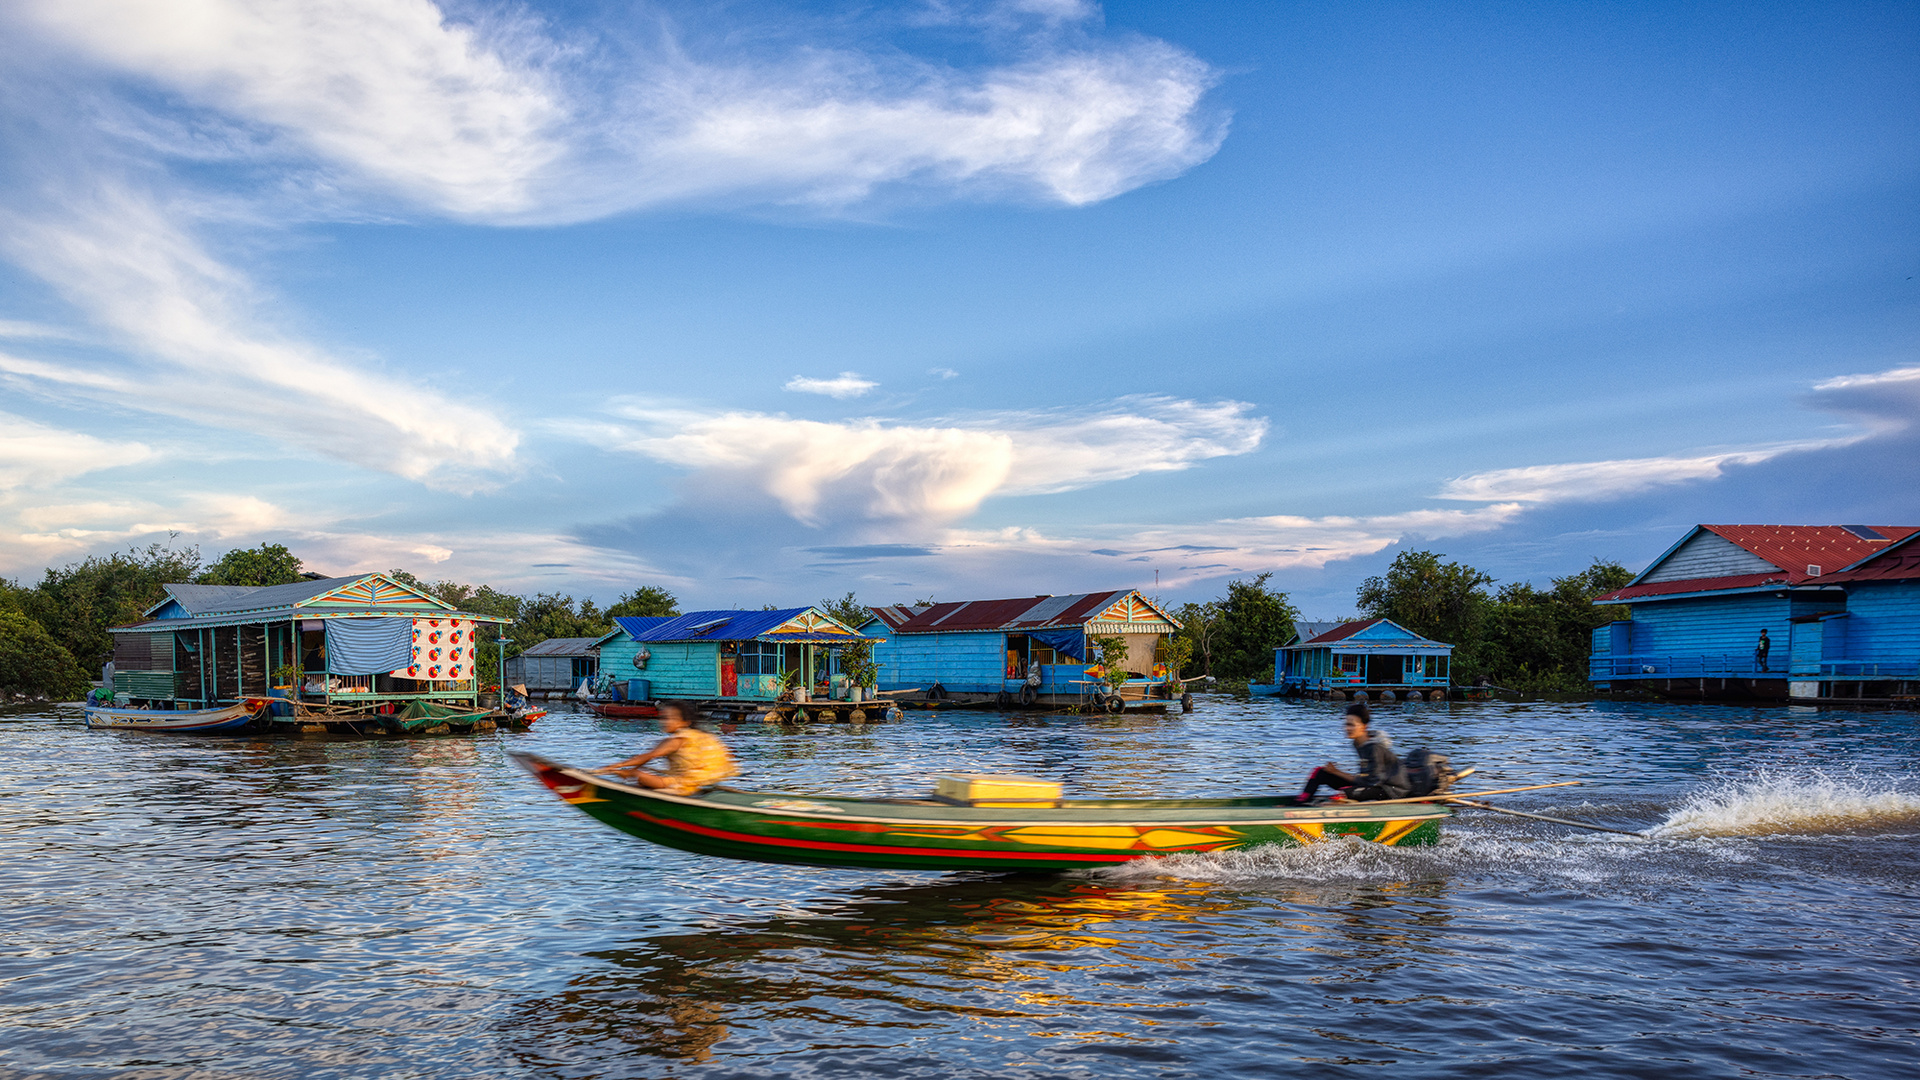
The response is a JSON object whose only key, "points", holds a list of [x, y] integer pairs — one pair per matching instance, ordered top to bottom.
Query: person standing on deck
{"points": [[1761, 650], [695, 759], [1380, 776]]}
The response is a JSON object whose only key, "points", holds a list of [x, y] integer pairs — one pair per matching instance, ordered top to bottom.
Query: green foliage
{"points": [[268, 564], [645, 601], [1445, 601], [78, 602], [847, 611], [1253, 621], [1199, 624], [1538, 640], [1175, 653], [856, 659], [1113, 659], [32, 662]]}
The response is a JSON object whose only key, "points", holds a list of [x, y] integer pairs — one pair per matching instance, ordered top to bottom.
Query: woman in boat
{"points": [[695, 759], [1381, 775]]}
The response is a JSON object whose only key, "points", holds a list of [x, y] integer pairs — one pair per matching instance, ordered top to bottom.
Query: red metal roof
{"points": [[1792, 548], [1895, 562], [1022, 613], [1343, 631]]}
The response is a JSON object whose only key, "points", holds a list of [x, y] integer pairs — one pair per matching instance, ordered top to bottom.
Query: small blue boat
{"points": [[185, 721]]}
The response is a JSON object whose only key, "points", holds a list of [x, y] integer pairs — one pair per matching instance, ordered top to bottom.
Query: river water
{"points": [[316, 907]]}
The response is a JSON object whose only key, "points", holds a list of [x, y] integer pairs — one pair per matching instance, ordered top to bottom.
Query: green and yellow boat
{"points": [[1007, 834]]}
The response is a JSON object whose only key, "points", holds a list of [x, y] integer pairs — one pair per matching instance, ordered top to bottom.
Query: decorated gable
{"points": [[372, 592], [1131, 614], [812, 622]]}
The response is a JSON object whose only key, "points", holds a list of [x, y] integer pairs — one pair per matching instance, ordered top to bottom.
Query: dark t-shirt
{"points": [[1380, 767]]}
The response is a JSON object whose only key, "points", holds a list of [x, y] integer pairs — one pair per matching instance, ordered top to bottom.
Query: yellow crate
{"points": [[998, 789]]}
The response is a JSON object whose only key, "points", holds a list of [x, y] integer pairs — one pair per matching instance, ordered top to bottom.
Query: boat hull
{"points": [[622, 711], [185, 722], [925, 835]]}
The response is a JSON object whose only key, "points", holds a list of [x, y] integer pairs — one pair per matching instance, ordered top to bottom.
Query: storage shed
{"points": [[1839, 606], [555, 665]]}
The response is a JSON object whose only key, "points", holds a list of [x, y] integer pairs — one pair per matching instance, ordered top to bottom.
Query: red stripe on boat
{"points": [[875, 849]]}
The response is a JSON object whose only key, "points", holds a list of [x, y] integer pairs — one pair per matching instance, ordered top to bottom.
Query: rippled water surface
{"points": [[315, 907]]}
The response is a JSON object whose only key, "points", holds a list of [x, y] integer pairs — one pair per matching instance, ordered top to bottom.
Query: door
{"points": [[1383, 670], [729, 679]]}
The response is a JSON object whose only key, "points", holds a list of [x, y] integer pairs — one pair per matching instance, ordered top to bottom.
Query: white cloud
{"points": [[120, 257], [943, 373], [847, 385], [1886, 402], [34, 455], [935, 472], [1588, 481]]}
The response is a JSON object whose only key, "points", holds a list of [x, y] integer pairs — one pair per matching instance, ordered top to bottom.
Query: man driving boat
{"points": [[1381, 775]]}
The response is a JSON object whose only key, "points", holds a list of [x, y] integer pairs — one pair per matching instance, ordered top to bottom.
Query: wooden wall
{"points": [[1710, 555], [1883, 621], [688, 669]]}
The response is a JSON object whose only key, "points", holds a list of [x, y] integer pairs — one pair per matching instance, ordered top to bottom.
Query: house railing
{"points": [[1607, 667]]}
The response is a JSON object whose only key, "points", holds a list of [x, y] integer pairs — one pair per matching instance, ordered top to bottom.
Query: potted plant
{"points": [[856, 659]]}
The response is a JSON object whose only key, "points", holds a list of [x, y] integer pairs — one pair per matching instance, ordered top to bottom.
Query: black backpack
{"points": [[1428, 773]]}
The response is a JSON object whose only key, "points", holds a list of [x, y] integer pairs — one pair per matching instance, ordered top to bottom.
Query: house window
{"points": [[758, 658], [1349, 662]]}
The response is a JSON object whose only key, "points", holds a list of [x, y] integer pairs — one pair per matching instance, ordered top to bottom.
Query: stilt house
{"points": [[1839, 606], [365, 640], [991, 646], [742, 655], [1372, 658], [555, 665]]}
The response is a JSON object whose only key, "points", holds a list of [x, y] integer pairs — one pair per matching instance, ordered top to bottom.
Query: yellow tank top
{"points": [[701, 760]]}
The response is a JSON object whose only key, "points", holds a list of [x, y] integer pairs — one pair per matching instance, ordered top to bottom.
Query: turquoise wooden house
{"points": [[1839, 606], [366, 641], [991, 647], [728, 655], [1372, 658]]}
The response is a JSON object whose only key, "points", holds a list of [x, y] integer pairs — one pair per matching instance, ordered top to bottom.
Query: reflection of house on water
{"points": [[895, 965]]}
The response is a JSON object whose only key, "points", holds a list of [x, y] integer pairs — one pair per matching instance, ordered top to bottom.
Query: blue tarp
{"points": [[1066, 642], [368, 646]]}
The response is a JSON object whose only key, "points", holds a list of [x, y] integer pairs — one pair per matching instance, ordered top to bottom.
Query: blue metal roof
{"points": [[719, 626]]}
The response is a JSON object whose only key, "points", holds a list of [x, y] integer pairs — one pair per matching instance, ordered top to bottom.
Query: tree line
{"points": [[54, 633], [1519, 637]]}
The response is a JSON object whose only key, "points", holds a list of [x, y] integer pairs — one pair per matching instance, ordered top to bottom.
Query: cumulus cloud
{"points": [[847, 385], [937, 471]]}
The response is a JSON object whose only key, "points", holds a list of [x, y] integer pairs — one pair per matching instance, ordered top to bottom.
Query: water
{"points": [[310, 907]]}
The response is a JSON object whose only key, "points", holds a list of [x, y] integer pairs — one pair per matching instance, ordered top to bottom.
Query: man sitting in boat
{"points": [[695, 759], [1381, 775]]}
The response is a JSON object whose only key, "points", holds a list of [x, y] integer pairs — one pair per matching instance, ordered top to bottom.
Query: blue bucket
{"points": [[639, 689]]}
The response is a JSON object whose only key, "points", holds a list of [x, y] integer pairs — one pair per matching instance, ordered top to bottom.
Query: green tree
{"points": [[268, 564], [647, 600], [1445, 601], [77, 603], [847, 611], [1254, 620], [1199, 623], [1538, 640], [1113, 659], [32, 662]]}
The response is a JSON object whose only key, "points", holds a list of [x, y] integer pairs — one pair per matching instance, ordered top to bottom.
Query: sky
{"points": [[768, 302]]}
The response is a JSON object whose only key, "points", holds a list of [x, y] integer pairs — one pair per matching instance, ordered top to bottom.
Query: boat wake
{"points": [[1774, 801]]}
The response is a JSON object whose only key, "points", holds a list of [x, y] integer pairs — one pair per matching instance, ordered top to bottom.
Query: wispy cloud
{"points": [[847, 385], [1886, 402], [34, 454], [933, 471], [1593, 481]]}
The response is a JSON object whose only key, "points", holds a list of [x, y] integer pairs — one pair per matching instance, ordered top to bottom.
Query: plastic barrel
{"points": [[639, 689]]}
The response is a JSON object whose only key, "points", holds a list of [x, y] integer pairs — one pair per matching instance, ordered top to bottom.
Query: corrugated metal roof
{"points": [[1793, 548], [1897, 562], [213, 599], [1020, 613], [289, 614], [894, 615], [724, 626], [1347, 631], [1341, 632], [562, 646]]}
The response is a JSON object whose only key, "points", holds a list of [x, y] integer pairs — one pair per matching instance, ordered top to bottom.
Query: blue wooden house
{"points": [[1839, 606], [988, 648], [728, 655], [1372, 658]]}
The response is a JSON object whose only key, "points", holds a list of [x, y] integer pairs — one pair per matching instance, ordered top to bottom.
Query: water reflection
{"points": [[1054, 958]]}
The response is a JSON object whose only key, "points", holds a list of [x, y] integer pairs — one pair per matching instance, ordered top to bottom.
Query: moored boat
{"points": [[622, 710], [184, 721], [935, 834]]}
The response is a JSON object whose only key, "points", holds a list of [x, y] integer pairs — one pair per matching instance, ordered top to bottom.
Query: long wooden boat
{"points": [[623, 710], [185, 721], [927, 834]]}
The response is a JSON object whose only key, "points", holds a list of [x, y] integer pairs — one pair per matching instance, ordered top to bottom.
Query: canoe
{"points": [[1265, 689], [623, 710], [187, 721], [928, 834]]}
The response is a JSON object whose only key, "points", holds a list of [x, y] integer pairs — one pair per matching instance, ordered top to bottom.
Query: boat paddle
{"points": [[1543, 817]]}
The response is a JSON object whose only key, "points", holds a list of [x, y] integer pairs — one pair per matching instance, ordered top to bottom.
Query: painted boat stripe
{"points": [[879, 849]]}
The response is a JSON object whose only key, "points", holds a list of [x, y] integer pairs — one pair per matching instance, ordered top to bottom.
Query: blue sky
{"points": [[766, 302]]}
